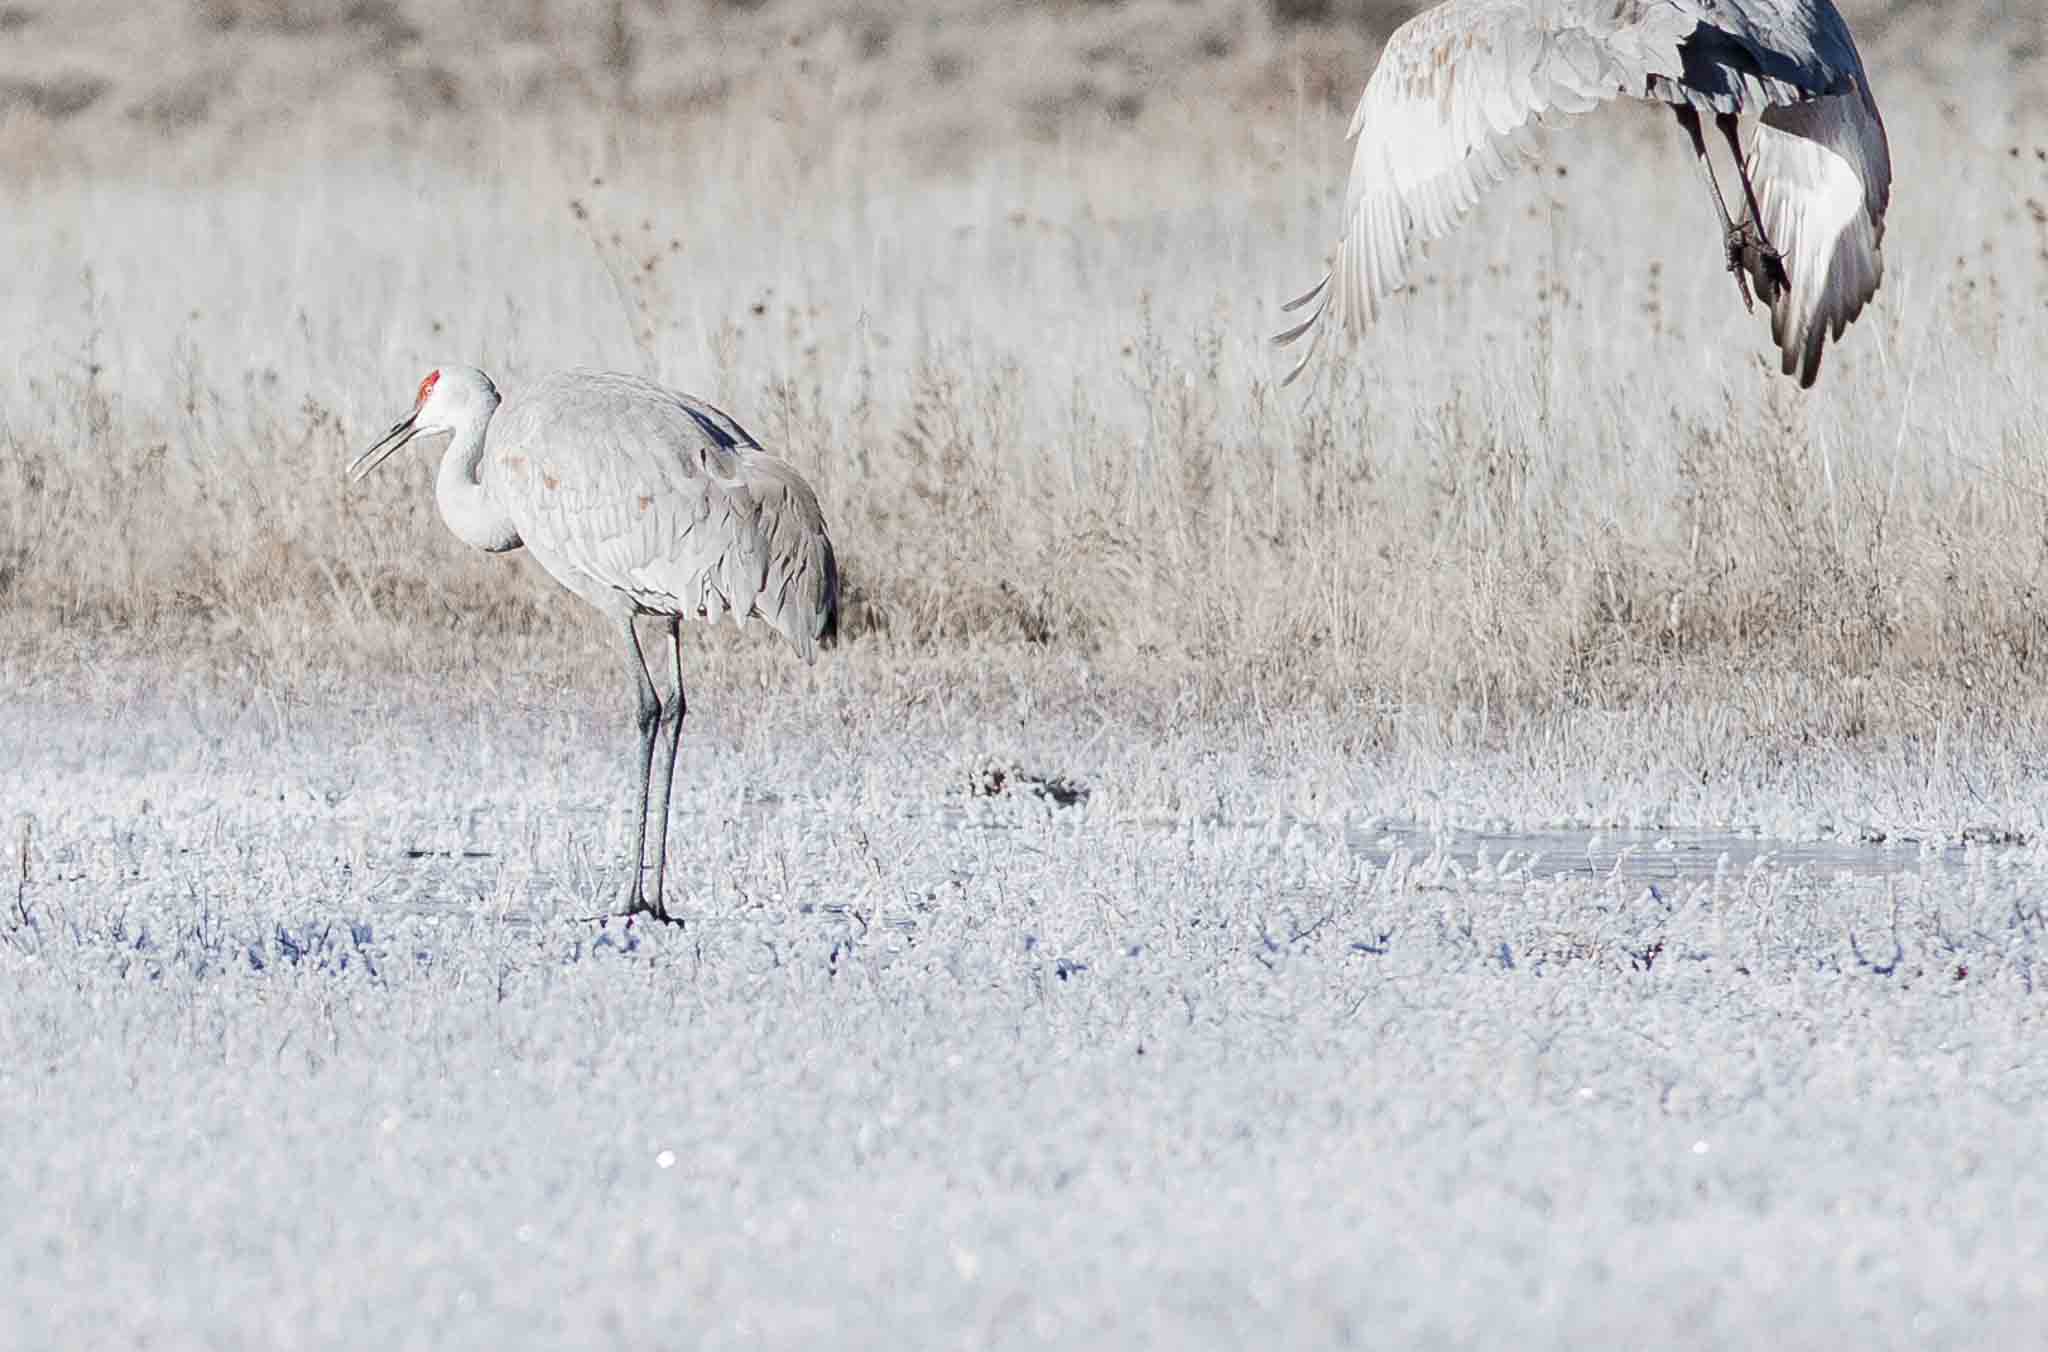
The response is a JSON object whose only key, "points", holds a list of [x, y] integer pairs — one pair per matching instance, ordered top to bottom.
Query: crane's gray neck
{"points": [[466, 502]]}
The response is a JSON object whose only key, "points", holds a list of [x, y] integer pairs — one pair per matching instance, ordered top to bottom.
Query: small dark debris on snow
{"points": [[997, 781]]}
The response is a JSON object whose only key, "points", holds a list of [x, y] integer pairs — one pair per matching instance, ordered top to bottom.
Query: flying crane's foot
{"points": [[1755, 262]]}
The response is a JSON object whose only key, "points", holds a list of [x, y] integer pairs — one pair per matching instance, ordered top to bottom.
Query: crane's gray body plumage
{"points": [[1454, 104], [638, 498], [644, 502]]}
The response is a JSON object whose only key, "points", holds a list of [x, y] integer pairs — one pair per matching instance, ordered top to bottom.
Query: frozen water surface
{"points": [[434, 879], [1254, 1041]]}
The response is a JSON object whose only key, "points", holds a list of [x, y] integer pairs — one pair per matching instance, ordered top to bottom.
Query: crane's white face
{"points": [[448, 399]]}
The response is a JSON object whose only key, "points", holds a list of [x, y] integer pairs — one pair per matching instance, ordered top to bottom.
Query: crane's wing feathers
{"points": [[1743, 56], [1455, 102], [1453, 108], [1823, 178], [717, 424], [626, 489]]}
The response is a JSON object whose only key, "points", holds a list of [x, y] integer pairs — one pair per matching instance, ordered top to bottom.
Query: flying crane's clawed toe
{"points": [[1755, 263], [1769, 275], [1741, 276]]}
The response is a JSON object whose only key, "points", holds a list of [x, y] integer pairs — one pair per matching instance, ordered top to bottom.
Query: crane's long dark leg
{"points": [[1689, 118], [1760, 258], [647, 714], [665, 769]]}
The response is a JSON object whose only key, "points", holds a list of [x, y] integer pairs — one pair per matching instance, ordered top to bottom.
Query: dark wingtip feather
{"points": [[1809, 369]]}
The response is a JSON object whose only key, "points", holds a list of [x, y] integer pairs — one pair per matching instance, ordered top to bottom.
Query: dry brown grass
{"points": [[998, 279]]}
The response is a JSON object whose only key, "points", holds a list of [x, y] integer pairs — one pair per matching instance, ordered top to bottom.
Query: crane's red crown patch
{"points": [[426, 388]]}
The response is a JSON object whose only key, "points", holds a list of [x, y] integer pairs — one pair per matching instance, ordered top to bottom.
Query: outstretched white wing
{"points": [[1449, 112], [1823, 175]]}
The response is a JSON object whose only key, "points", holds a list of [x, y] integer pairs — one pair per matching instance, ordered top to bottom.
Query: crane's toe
{"points": [[1755, 263], [1770, 276], [1741, 280], [634, 902]]}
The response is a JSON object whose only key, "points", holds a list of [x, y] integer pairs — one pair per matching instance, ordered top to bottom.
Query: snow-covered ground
{"points": [[1252, 1042]]}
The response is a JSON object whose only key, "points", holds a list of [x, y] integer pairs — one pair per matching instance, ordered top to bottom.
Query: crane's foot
{"points": [[1755, 262], [633, 904], [640, 905], [660, 913]]}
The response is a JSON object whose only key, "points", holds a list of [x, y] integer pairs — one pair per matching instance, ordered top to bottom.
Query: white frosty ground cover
{"points": [[1175, 1066]]}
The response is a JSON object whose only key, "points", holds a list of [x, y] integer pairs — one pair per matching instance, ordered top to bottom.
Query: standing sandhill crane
{"points": [[1448, 113], [642, 501]]}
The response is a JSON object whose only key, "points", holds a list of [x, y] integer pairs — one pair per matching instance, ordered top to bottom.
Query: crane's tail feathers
{"points": [[1823, 178], [820, 615], [827, 632]]}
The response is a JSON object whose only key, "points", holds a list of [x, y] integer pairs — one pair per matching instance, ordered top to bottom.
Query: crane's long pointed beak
{"points": [[387, 445]]}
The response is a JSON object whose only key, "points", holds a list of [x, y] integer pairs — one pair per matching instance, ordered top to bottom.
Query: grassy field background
{"points": [[999, 279]]}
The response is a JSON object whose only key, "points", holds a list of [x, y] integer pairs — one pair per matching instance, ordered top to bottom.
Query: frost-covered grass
{"points": [[300, 1047]]}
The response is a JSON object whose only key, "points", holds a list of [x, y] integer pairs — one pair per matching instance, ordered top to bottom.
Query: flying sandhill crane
{"points": [[1449, 110], [644, 502]]}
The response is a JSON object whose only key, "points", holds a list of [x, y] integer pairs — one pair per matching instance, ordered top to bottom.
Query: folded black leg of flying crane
{"points": [[1757, 255], [1751, 256]]}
